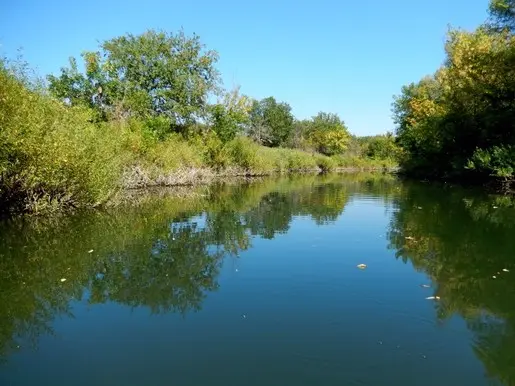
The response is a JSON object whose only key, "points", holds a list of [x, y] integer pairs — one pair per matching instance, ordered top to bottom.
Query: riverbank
{"points": [[58, 152], [56, 157], [140, 178], [493, 185]]}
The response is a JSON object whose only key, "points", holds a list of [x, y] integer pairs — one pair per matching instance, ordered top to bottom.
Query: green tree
{"points": [[502, 14], [147, 75], [230, 115], [271, 122], [460, 122], [328, 133], [298, 138], [382, 147]]}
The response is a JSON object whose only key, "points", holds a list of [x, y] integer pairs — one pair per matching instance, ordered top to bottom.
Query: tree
{"points": [[502, 14], [147, 75], [418, 113], [230, 115], [271, 122], [460, 122], [328, 133], [298, 138], [381, 147]]}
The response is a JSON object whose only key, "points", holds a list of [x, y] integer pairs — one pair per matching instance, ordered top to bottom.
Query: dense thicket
{"points": [[460, 122]]}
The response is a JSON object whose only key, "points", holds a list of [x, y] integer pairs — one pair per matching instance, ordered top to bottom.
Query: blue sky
{"points": [[346, 57]]}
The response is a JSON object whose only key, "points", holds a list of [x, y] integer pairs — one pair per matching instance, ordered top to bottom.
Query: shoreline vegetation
{"points": [[150, 110], [459, 123], [137, 178]]}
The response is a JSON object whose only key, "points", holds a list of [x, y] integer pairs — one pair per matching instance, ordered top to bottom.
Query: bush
{"points": [[173, 153], [244, 153], [50, 154], [299, 161], [497, 161], [326, 164]]}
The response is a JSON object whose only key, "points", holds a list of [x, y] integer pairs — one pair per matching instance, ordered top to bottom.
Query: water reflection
{"points": [[465, 242], [165, 252], [150, 254]]}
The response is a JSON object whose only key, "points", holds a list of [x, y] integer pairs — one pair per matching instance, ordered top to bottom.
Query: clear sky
{"points": [[346, 57]]}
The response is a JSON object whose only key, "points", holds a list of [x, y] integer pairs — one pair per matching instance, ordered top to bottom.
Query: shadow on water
{"points": [[465, 242], [165, 252]]}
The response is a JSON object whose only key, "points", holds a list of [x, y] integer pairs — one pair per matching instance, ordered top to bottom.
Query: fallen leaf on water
{"points": [[362, 266], [63, 280]]}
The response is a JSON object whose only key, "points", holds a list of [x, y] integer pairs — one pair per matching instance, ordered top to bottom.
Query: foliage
{"points": [[502, 15], [147, 75], [140, 115], [230, 115], [271, 122], [448, 122], [327, 133], [381, 147], [245, 153], [51, 154], [172, 154], [499, 161], [326, 164]]}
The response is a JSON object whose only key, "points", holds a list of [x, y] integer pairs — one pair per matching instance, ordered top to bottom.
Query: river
{"points": [[257, 283]]}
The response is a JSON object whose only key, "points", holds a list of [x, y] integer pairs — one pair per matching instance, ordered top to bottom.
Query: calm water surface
{"points": [[257, 284]]}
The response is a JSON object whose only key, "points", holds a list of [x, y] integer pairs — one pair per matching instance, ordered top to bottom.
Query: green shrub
{"points": [[173, 153], [244, 153], [50, 154], [215, 154], [300, 161], [497, 161], [326, 164]]}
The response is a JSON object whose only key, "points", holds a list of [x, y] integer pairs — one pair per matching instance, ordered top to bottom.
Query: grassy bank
{"points": [[54, 156], [183, 162]]}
